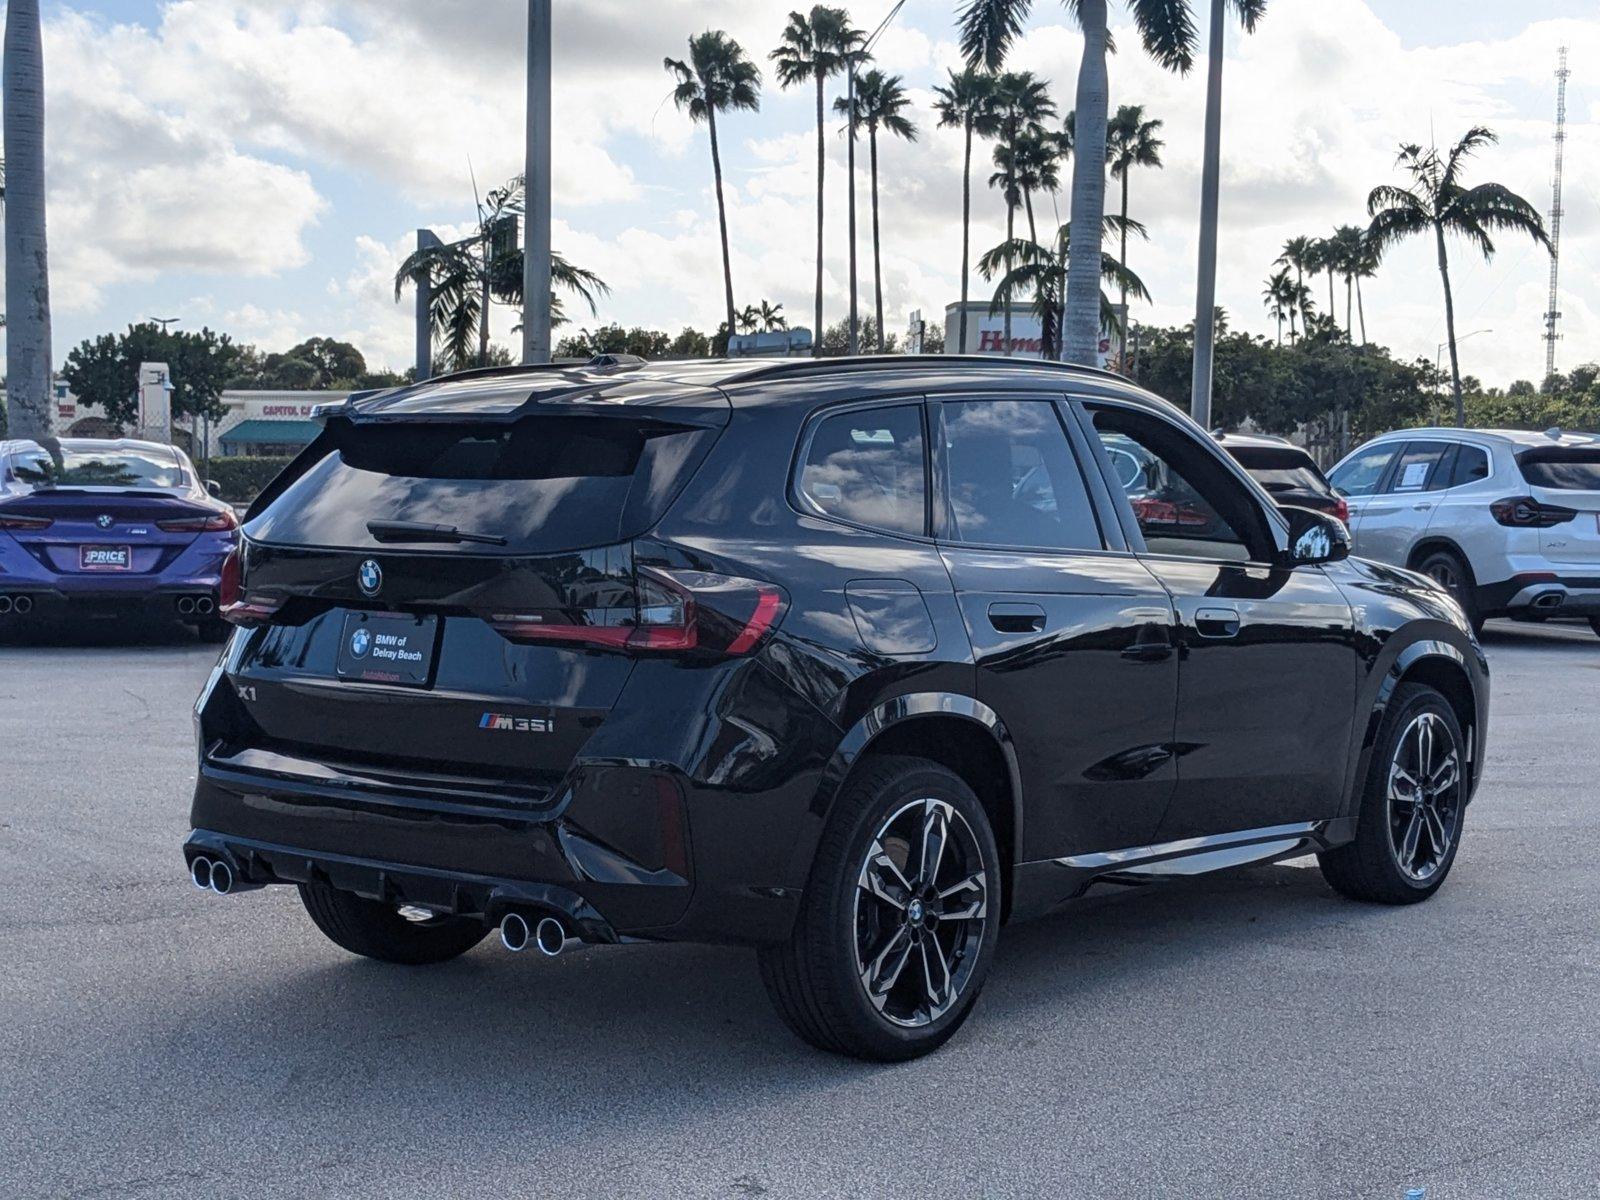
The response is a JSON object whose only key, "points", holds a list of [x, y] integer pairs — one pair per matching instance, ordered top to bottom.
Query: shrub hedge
{"points": [[241, 477]]}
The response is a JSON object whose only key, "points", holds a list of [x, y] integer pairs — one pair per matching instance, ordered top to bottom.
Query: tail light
{"points": [[1340, 509], [1525, 512], [15, 522], [218, 522], [232, 602], [674, 611]]}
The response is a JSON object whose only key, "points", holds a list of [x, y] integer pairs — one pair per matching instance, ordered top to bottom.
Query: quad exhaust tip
{"points": [[21, 605], [185, 605], [204, 605], [200, 873], [549, 935]]}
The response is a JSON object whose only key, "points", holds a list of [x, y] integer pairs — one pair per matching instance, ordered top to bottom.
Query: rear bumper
{"points": [[1547, 592], [480, 897]]}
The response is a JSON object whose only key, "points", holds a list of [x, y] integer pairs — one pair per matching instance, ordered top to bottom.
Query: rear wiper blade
{"points": [[422, 531]]}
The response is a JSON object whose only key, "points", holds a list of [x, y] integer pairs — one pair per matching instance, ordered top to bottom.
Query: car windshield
{"points": [[98, 466], [1281, 470]]}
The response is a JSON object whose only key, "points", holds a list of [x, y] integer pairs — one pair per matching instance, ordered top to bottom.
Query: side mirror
{"points": [[214, 488], [1314, 537]]}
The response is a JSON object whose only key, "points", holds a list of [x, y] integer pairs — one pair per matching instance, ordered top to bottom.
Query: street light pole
{"points": [[536, 183]]}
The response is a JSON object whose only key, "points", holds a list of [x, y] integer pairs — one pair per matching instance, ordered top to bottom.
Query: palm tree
{"points": [[988, 30], [814, 47], [717, 78], [879, 101], [967, 101], [1021, 104], [1131, 142], [1437, 201], [1349, 251], [1298, 252], [1323, 256], [1025, 267], [468, 276], [1279, 298], [772, 317], [748, 319], [28, 369]]}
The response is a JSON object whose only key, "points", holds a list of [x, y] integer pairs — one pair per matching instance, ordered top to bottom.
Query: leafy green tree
{"points": [[814, 47], [718, 78], [1437, 202], [104, 371]]}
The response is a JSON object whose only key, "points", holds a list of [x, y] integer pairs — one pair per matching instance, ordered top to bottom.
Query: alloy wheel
{"points": [[1424, 797], [921, 909]]}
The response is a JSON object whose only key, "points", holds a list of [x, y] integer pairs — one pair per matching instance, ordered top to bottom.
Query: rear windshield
{"points": [[121, 467], [1566, 469], [1283, 470], [544, 484]]}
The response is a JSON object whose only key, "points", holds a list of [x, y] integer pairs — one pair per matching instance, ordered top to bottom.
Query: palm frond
{"points": [[1166, 27], [989, 28]]}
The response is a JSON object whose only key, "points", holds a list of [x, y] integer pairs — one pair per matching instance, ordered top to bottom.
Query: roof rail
{"points": [[818, 366]]}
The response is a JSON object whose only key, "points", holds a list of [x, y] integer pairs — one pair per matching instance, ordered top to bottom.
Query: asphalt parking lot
{"points": [[1246, 1035]]}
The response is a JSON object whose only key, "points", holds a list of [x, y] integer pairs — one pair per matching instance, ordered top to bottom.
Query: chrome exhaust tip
{"points": [[1549, 599], [5, 605], [22, 605], [185, 605], [204, 605], [200, 873], [221, 878], [513, 932], [551, 937]]}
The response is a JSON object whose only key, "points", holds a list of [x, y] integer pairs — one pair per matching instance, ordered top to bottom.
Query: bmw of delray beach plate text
{"points": [[848, 661]]}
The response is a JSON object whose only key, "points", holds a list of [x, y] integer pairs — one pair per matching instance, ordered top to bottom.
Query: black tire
{"points": [[1448, 569], [1374, 867], [375, 930], [815, 978]]}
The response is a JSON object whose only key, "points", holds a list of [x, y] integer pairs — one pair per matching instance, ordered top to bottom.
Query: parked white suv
{"points": [[1507, 521]]}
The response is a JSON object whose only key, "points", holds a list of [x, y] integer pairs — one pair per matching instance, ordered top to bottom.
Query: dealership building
{"points": [[275, 423]]}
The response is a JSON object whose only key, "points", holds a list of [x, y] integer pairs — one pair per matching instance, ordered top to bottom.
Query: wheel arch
{"points": [[1429, 542], [1443, 667], [959, 733]]}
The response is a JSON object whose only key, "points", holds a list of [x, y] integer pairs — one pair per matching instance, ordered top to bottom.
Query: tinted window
{"points": [[1417, 464], [1472, 464], [106, 466], [865, 466], [1565, 469], [1281, 470], [1360, 474], [1013, 479], [542, 483], [1186, 502]]}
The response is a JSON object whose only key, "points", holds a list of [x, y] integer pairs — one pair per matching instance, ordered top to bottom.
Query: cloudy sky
{"points": [[260, 166]]}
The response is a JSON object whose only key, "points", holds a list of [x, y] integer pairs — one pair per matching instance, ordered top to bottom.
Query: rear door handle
{"points": [[1421, 507], [1016, 618], [1216, 622]]}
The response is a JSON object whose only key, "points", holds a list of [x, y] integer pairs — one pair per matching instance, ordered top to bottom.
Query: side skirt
{"points": [[1041, 887]]}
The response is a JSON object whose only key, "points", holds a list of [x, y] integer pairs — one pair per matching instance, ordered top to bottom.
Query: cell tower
{"points": [[1552, 314]]}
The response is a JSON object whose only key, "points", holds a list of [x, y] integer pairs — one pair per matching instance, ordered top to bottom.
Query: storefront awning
{"points": [[272, 433]]}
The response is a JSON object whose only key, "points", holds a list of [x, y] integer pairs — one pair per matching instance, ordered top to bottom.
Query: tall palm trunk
{"points": [[822, 166], [722, 213], [966, 233], [1011, 233], [877, 255], [1122, 261], [483, 304], [1349, 306], [1205, 311], [1333, 311], [1361, 311], [855, 312], [1450, 325], [1291, 326], [1081, 337], [28, 373]]}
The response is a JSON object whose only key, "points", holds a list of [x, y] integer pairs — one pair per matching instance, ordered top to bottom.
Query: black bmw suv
{"points": [[851, 662]]}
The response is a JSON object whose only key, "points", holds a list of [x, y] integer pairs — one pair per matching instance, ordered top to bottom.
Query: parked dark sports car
{"points": [[1289, 474], [109, 527], [851, 661]]}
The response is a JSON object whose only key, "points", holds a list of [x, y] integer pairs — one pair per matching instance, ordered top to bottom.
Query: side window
{"points": [[1472, 464], [1417, 465], [865, 466], [1360, 474], [1013, 479], [1186, 503]]}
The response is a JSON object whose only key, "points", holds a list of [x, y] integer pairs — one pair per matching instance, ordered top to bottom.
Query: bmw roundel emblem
{"points": [[104, 520], [370, 577], [360, 643]]}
